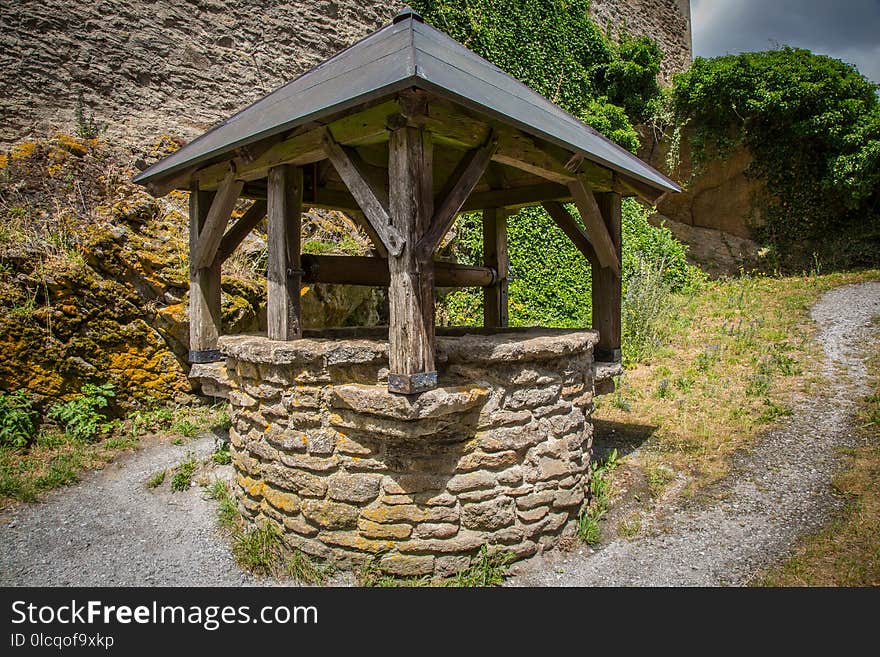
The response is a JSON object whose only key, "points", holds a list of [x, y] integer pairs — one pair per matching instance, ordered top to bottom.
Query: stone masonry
{"points": [[147, 67], [498, 455]]}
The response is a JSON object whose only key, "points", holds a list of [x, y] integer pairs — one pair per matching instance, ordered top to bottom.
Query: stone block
{"points": [[532, 397], [241, 399], [376, 400], [510, 438], [286, 439], [321, 442], [486, 461], [309, 462], [471, 481], [304, 483], [349, 487], [542, 498], [568, 498], [286, 502], [330, 515], [490, 515], [533, 515], [299, 526], [370, 529], [436, 530], [354, 541], [407, 565], [450, 565]]}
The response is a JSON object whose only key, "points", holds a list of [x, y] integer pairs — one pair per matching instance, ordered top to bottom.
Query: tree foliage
{"points": [[812, 124]]}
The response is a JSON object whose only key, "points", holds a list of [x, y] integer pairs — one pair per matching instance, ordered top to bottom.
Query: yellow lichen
{"points": [[22, 150]]}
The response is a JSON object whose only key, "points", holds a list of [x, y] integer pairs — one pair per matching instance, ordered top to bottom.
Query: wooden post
{"points": [[284, 208], [607, 285], [204, 287], [411, 290], [495, 310]]}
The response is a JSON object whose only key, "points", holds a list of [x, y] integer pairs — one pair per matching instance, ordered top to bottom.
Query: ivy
{"points": [[812, 125]]}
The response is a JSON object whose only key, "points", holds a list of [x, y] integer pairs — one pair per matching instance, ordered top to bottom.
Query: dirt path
{"points": [[775, 493], [111, 530]]}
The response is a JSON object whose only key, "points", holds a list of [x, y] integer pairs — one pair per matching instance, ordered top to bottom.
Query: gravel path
{"points": [[775, 493], [111, 530]]}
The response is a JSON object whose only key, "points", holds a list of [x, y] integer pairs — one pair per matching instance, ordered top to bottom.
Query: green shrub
{"points": [[812, 124], [81, 417], [16, 419]]}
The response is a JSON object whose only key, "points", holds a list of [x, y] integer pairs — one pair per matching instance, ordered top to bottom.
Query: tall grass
{"points": [[645, 311]]}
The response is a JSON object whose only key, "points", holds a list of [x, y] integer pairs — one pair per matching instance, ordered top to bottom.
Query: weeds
{"points": [[644, 311], [81, 416], [16, 419], [186, 428], [221, 456], [156, 480], [181, 480], [594, 510], [227, 512], [630, 526], [259, 548], [302, 568], [485, 569]]}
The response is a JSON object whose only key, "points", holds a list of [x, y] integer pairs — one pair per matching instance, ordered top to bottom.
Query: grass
{"points": [[734, 351], [54, 459], [181, 478], [156, 480], [594, 509], [846, 552], [485, 570]]}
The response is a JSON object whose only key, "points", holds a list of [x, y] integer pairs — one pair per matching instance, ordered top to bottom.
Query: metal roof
{"points": [[407, 53]]}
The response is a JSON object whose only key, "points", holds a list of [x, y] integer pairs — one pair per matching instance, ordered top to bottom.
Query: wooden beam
{"points": [[306, 147], [521, 151], [180, 180], [461, 184], [516, 197], [368, 198], [596, 228], [240, 229], [572, 229], [211, 232], [374, 272], [285, 274], [204, 287], [607, 287], [495, 302], [412, 340]]}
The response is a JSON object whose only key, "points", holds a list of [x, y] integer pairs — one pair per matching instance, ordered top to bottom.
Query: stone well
{"points": [[498, 454]]}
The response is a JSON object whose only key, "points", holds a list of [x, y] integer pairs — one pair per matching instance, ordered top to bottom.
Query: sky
{"points": [[844, 29]]}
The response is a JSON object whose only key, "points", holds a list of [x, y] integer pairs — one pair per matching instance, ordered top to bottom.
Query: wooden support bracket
{"points": [[462, 182], [368, 198], [589, 211], [215, 223], [240, 229], [572, 229]]}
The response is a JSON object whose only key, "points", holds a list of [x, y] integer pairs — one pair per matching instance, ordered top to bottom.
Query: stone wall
{"points": [[147, 67], [497, 455]]}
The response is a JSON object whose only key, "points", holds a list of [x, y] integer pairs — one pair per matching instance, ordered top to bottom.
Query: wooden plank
{"points": [[365, 127], [521, 151], [462, 183], [159, 188], [516, 197], [368, 198], [240, 229], [572, 229], [596, 229], [211, 232], [374, 272], [285, 274], [204, 287], [607, 287], [411, 290], [495, 301]]}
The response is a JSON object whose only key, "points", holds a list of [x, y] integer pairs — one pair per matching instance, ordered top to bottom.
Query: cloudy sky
{"points": [[844, 29]]}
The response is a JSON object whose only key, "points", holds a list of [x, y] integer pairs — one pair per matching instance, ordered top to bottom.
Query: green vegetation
{"points": [[557, 50], [812, 124], [81, 417], [16, 419], [221, 456], [181, 479], [156, 480], [595, 508], [227, 512], [487, 568]]}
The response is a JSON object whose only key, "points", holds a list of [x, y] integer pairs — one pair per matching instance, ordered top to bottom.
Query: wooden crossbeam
{"points": [[519, 150], [180, 180], [461, 184], [368, 198], [589, 211], [215, 223], [240, 229], [572, 229], [371, 271]]}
